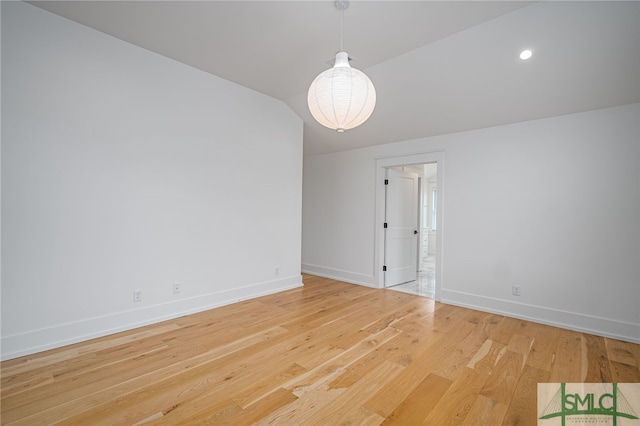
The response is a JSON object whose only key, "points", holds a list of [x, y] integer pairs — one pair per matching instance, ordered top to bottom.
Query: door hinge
{"points": [[386, 181], [385, 225], [384, 268]]}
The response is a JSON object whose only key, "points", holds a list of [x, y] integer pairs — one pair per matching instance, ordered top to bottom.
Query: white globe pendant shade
{"points": [[342, 97]]}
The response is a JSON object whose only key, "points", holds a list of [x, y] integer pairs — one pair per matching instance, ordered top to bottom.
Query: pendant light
{"points": [[342, 97]]}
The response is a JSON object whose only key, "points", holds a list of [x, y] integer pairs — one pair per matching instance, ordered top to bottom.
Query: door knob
{"points": [[415, 232]]}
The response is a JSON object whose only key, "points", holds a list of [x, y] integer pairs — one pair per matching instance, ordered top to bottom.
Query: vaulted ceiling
{"points": [[438, 66]]}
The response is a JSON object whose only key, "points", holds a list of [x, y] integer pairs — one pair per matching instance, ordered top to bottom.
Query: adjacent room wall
{"points": [[123, 170], [552, 205]]}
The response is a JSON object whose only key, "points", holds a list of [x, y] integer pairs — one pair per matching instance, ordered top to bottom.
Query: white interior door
{"points": [[401, 232]]}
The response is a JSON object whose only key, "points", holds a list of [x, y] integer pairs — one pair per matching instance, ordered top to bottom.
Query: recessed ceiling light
{"points": [[526, 54]]}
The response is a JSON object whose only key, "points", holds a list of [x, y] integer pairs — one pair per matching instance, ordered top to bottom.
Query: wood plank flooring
{"points": [[328, 353]]}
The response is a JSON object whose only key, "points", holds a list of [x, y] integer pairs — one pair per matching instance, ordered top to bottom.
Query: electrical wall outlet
{"points": [[277, 270], [176, 288], [515, 290], [137, 295]]}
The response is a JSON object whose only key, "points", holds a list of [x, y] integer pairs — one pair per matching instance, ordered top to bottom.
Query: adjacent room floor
{"points": [[425, 283]]}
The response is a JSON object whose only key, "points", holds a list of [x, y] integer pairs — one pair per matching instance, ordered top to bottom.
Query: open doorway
{"points": [[410, 228], [427, 246]]}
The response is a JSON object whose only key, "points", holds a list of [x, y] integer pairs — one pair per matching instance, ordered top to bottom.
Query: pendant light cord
{"points": [[342, 5], [341, 27]]}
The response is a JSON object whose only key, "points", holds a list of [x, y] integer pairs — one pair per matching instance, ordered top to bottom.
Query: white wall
{"points": [[124, 170], [520, 206]]}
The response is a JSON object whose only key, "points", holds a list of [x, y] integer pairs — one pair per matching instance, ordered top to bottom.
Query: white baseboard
{"points": [[340, 275], [570, 320], [34, 341]]}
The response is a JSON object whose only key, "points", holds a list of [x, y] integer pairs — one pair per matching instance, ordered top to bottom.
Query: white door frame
{"points": [[381, 165]]}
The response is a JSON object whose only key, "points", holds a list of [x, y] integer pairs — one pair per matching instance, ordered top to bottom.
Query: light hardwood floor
{"points": [[327, 353]]}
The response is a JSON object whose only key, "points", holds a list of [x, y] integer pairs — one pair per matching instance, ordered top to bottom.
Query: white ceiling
{"points": [[438, 66]]}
